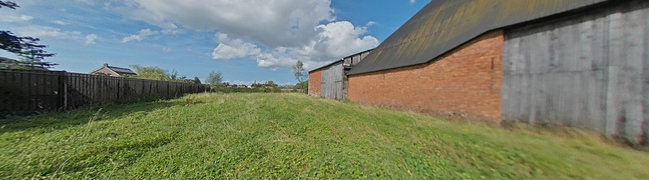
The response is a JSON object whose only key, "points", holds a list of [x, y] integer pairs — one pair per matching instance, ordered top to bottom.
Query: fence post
{"points": [[64, 82], [119, 88], [29, 91]]}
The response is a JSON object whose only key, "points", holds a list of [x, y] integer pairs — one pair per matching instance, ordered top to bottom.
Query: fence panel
{"points": [[27, 91], [24, 92]]}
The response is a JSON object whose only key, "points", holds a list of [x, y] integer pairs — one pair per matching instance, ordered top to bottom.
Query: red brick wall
{"points": [[315, 83], [465, 83]]}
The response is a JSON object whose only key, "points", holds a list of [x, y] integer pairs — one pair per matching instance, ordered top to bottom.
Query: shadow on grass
{"points": [[55, 121]]}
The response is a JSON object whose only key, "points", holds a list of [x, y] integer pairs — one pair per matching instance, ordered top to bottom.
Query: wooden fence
{"points": [[332, 82], [25, 92]]}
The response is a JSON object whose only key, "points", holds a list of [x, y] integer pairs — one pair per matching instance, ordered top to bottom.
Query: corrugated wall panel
{"points": [[589, 70], [332, 82]]}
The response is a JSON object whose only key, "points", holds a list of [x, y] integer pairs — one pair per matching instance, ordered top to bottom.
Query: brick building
{"points": [[578, 63], [465, 82]]}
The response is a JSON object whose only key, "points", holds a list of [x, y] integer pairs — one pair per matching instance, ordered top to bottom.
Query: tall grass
{"points": [[291, 135]]}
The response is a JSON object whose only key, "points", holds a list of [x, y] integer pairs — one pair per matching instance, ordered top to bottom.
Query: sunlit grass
{"points": [[291, 135]]}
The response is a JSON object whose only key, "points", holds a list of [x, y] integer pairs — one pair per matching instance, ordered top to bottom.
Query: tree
{"points": [[8, 4], [10, 42], [28, 48], [33, 53], [152, 73], [156, 73], [173, 76], [300, 76], [214, 78], [196, 80], [271, 84], [302, 85]]}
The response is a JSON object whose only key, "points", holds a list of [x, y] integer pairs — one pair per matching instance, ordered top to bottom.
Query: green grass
{"points": [[290, 135]]}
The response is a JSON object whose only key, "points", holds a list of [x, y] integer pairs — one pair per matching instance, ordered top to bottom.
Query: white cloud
{"points": [[86, 1], [412, 1], [12, 18], [59, 22], [270, 23], [287, 30], [173, 31], [43, 32], [46, 32], [143, 34], [91, 38], [340, 39], [335, 40], [233, 48], [166, 50], [279, 57]]}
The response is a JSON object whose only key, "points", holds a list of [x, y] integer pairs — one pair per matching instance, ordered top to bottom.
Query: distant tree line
{"points": [[156, 73], [215, 79], [256, 87], [267, 87]]}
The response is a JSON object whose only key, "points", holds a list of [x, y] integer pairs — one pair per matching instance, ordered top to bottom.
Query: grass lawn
{"points": [[290, 135]]}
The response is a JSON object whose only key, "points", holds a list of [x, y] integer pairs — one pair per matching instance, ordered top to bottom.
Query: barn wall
{"points": [[351, 61], [590, 70], [332, 81], [465, 82], [314, 83]]}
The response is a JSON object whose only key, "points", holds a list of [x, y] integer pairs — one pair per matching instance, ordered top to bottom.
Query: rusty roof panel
{"points": [[443, 25]]}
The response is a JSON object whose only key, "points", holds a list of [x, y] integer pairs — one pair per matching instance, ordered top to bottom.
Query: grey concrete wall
{"points": [[588, 70], [332, 81]]}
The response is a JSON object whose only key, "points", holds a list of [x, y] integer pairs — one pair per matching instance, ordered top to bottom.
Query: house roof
{"points": [[444, 25], [7, 60], [12, 63], [118, 70]]}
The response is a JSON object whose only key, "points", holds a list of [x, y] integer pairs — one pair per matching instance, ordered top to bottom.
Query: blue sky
{"points": [[246, 40]]}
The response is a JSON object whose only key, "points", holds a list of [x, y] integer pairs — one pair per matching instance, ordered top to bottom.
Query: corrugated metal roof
{"points": [[443, 25], [337, 61], [325, 66]]}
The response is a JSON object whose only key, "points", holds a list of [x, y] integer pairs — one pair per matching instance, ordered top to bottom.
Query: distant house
{"points": [[6, 63], [113, 71]]}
